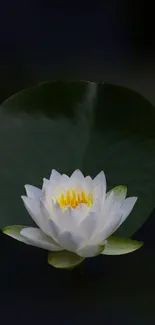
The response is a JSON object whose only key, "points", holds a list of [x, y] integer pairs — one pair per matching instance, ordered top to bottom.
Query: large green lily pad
{"points": [[70, 125]]}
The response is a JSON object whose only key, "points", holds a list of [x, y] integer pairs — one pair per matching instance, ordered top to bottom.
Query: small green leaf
{"points": [[14, 232], [120, 246], [64, 259]]}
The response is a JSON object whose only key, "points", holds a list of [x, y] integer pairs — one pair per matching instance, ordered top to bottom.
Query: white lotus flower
{"points": [[73, 213]]}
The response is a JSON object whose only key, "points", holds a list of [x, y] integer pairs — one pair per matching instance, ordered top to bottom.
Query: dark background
{"points": [[113, 42]]}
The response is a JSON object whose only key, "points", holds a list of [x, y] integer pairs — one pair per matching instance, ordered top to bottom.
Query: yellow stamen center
{"points": [[73, 199]]}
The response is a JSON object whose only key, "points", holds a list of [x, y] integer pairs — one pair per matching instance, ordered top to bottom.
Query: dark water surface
{"points": [[115, 44], [33, 137], [112, 289]]}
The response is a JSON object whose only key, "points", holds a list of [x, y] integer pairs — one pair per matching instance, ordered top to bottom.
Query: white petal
{"points": [[55, 175], [77, 175], [65, 178], [99, 179], [89, 180], [99, 183], [45, 184], [87, 185], [55, 188], [33, 192], [119, 193], [113, 203], [97, 205], [33, 207], [107, 208], [127, 208], [103, 211], [80, 212], [64, 218], [69, 218], [81, 221], [88, 225], [66, 226], [111, 227], [52, 229], [108, 229], [37, 238], [70, 241], [90, 250]]}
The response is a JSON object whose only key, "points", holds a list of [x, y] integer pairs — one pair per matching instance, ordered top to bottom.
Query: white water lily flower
{"points": [[74, 213]]}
